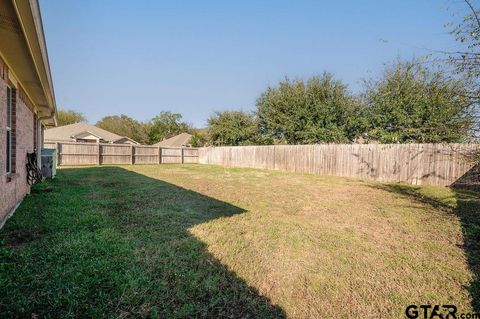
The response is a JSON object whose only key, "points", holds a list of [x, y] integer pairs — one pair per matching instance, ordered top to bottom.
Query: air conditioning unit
{"points": [[49, 162]]}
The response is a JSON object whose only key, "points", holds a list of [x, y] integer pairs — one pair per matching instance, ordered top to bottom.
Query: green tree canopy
{"points": [[415, 103], [318, 110], [65, 117], [166, 125], [125, 126], [232, 128], [199, 137]]}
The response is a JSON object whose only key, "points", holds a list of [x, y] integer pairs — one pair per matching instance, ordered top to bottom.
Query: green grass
{"points": [[176, 241]]}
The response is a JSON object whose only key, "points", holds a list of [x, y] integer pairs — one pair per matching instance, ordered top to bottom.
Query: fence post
{"points": [[58, 153], [99, 155], [132, 155], [159, 155], [274, 157], [183, 158]]}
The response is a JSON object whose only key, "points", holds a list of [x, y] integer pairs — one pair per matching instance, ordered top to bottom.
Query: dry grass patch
{"points": [[323, 246]]}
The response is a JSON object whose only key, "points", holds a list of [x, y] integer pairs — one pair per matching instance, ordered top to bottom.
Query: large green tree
{"points": [[466, 58], [415, 103], [319, 110], [65, 117], [166, 125], [125, 126], [232, 128]]}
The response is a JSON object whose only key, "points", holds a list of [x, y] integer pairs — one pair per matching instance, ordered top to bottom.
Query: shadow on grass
{"points": [[466, 205], [108, 242]]}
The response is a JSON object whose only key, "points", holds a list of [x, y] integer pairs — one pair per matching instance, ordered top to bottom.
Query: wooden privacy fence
{"points": [[100, 154], [434, 164]]}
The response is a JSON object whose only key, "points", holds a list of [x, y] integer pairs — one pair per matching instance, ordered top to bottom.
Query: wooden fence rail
{"points": [[101, 154], [434, 164]]}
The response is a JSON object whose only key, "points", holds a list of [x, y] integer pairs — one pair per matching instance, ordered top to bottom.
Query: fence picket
{"points": [[103, 154], [434, 164]]}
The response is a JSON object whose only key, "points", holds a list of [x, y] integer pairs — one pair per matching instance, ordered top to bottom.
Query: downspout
{"points": [[40, 134]]}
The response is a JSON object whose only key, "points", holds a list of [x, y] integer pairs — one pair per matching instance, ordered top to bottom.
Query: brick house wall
{"points": [[14, 188]]}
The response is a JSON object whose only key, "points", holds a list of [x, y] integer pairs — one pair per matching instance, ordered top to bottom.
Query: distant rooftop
{"points": [[69, 133], [182, 139]]}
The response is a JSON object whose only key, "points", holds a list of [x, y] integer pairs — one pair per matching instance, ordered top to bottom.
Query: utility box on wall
{"points": [[49, 162]]}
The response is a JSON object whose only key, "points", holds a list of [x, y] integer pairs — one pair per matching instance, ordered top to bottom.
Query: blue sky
{"points": [[195, 57]]}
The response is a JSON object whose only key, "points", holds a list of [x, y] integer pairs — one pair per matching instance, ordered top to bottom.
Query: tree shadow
{"points": [[470, 180], [467, 208], [115, 243]]}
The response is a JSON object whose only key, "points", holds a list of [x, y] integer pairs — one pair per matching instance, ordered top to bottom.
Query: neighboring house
{"points": [[27, 100], [84, 133], [126, 140], [180, 140]]}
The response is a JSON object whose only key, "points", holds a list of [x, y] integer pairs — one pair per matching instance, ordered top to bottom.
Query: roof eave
{"points": [[28, 13]]}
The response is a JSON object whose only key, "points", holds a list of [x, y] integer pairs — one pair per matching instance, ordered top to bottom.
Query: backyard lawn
{"points": [[175, 241]]}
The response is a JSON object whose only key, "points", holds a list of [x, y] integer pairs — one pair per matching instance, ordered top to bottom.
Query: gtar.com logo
{"points": [[431, 312], [437, 312]]}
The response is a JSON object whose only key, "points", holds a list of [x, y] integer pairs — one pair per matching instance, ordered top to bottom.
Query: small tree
{"points": [[467, 33], [466, 62], [413, 103], [318, 110], [65, 117], [166, 125], [125, 126], [232, 128], [199, 138]]}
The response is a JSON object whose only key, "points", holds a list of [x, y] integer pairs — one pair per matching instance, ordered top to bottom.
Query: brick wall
{"points": [[14, 188]]}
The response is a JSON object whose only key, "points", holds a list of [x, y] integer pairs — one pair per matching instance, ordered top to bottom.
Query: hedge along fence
{"points": [[101, 154], [434, 164]]}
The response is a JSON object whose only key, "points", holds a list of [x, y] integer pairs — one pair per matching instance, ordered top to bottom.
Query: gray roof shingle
{"points": [[182, 139]]}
